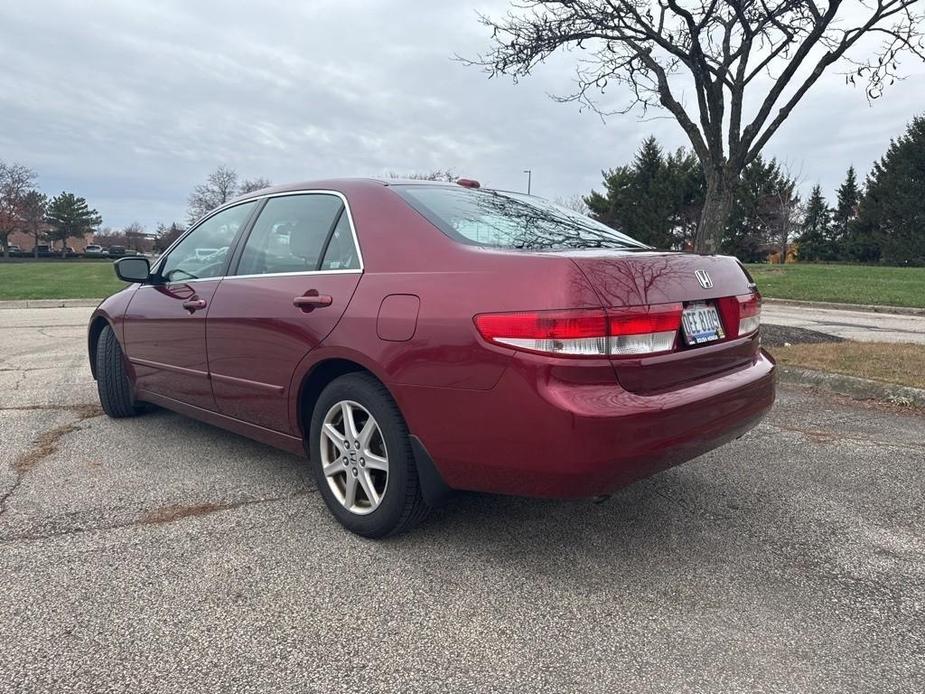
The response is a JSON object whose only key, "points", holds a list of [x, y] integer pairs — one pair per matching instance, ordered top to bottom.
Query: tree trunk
{"points": [[717, 207]]}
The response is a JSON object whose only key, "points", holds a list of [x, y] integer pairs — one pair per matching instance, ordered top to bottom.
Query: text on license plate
{"points": [[701, 324]]}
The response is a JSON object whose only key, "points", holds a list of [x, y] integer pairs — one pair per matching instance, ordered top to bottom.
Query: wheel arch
{"points": [[323, 372], [317, 379]]}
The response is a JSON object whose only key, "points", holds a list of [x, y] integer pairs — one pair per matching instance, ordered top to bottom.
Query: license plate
{"points": [[701, 324]]}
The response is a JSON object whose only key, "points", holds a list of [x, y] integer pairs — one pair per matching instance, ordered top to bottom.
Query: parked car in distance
{"points": [[15, 251], [45, 251], [93, 251], [116, 251], [69, 252], [414, 338]]}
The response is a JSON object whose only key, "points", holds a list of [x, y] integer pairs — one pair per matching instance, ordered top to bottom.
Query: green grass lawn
{"points": [[70, 279], [848, 284], [851, 284]]}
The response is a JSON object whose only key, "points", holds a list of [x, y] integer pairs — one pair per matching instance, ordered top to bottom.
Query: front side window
{"points": [[510, 220], [292, 233], [204, 252]]}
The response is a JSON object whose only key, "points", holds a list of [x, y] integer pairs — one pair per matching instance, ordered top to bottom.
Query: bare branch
{"points": [[723, 49]]}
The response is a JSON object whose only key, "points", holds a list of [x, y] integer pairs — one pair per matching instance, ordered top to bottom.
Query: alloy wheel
{"points": [[354, 458]]}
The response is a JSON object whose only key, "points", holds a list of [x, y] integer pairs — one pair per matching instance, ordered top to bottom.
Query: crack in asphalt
{"points": [[79, 408], [819, 436], [45, 443], [159, 516]]}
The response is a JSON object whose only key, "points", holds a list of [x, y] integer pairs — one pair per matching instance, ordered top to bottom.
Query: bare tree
{"points": [[728, 53], [443, 175], [16, 181], [249, 185], [219, 188], [575, 203], [33, 209], [783, 214], [166, 235], [107, 236], [135, 237]]}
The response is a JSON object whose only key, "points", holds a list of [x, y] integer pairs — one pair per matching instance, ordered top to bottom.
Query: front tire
{"points": [[112, 380], [361, 458]]}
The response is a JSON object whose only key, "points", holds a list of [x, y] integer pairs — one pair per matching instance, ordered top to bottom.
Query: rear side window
{"points": [[510, 220], [291, 234], [341, 253]]}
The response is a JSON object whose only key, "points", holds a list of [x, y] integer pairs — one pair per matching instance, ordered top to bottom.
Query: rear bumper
{"points": [[543, 432]]}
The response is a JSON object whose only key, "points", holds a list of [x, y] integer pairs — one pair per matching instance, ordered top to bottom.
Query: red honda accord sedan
{"points": [[414, 338]]}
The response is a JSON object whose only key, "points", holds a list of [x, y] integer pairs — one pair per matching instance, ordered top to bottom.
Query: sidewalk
{"points": [[860, 325]]}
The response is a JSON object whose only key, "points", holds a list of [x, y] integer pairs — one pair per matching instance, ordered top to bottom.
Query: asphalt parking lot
{"points": [[159, 554]]}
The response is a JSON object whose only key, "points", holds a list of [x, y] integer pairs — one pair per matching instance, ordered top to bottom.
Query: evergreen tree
{"points": [[650, 188], [686, 195], [654, 199], [659, 199], [612, 207], [846, 210], [70, 216], [751, 224], [891, 224], [815, 242]]}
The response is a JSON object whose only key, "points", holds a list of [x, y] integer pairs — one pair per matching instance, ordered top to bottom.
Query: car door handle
{"points": [[312, 300], [194, 305]]}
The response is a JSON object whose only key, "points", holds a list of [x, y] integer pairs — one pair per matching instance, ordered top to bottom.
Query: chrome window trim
{"points": [[266, 196], [353, 271], [227, 278], [179, 282]]}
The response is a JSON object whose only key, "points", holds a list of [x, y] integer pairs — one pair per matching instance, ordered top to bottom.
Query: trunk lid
{"points": [[624, 280]]}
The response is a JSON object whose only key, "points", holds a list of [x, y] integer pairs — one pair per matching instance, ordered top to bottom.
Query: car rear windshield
{"points": [[510, 220]]}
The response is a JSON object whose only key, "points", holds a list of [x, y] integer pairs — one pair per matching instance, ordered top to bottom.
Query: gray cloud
{"points": [[133, 104]]}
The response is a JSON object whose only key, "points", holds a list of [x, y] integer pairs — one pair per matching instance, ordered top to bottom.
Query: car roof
{"points": [[338, 184]]}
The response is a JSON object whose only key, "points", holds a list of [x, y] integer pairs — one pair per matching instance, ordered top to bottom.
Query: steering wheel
{"points": [[171, 276]]}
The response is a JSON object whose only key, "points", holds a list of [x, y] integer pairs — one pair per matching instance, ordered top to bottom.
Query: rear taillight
{"points": [[749, 313], [643, 330], [569, 333], [586, 333]]}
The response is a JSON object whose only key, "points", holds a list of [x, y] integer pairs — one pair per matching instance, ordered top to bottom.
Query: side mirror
{"points": [[132, 269]]}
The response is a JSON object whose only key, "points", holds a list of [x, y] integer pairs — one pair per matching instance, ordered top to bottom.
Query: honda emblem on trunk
{"points": [[704, 278]]}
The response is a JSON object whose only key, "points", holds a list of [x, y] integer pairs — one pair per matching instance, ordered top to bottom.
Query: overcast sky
{"points": [[131, 104]]}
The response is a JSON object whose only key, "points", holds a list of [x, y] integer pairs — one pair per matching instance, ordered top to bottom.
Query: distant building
{"points": [[26, 242]]}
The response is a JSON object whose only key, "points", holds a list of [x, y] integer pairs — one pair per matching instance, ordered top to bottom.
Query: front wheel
{"points": [[112, 380], [361, 458]]}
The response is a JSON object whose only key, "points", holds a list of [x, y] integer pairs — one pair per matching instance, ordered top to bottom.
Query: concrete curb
{"points": [[50, 303], [867, 308], [852, 386]]}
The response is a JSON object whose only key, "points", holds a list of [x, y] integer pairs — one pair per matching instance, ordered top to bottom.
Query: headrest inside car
{"points": [[305, 239]]}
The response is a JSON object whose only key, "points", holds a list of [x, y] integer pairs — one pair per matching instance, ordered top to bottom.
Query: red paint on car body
{"points": [[492, 417]]}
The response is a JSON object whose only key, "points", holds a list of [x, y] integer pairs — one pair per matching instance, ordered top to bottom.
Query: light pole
{"points": [[529, 173]]}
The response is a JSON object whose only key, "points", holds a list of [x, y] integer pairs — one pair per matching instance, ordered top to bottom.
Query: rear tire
{"points": [[112, 381], [383, 463]]}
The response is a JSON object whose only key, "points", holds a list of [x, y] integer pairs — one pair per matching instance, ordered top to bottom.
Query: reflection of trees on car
{"points": [[511, 220]]}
